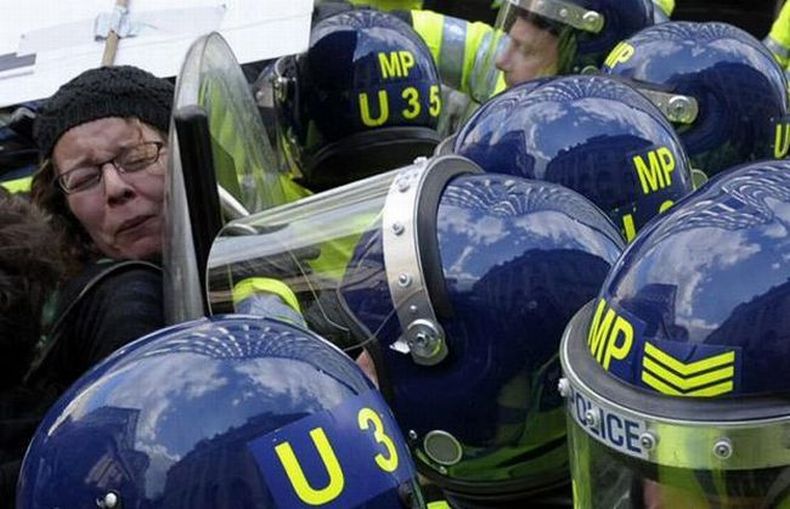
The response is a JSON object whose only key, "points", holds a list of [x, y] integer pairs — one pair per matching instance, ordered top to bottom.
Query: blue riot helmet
{"points": [[563, 36], [739, 88], [363, 99], [593, 134], [447, 146], [18, 152], [458, 284], [673, 378], [223, 413]]}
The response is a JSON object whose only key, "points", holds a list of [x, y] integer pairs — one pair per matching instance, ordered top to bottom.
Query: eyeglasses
{"points": [[129, 160]]}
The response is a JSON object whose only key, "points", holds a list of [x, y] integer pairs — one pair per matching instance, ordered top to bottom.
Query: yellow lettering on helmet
{"points": [[621, 54], [406, 61], [390, 64], [396, 64], [412, 97], [436, 101], [384, 109], [782, 145], [658, 175], [665, 206], [629, 227], [610, 336], [596, 337], [619, 350], [367, 417], [299, 482]]}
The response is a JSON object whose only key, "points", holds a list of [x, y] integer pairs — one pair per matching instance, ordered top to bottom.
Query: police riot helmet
{"points": [[585, 30], [740, 90], [363, 99], [593, 134], [447, 146], [18, 152], [458, 284], [673, 375], [234, 411]]}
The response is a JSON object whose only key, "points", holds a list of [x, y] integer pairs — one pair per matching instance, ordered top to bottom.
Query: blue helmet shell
{"points": [[623, 18], [580, 50], [366, 79], [740, 88], [593, 134], [18, 152], [518, 259], [698, 305], [207, 414]]}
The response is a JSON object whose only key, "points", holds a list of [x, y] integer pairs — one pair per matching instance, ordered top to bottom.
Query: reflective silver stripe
{"points": [[781, 52], [451, 55], [482, 79]]}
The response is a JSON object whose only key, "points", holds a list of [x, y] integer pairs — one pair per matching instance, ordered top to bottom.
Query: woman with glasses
{"points": [[103, 143]]}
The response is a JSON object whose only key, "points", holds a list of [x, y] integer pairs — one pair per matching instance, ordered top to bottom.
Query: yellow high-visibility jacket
{"points": [[667, 6], [778, 40], [463, 51]]}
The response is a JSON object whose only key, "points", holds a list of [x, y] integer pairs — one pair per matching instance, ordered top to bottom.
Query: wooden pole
{"points": [[111, 44]]}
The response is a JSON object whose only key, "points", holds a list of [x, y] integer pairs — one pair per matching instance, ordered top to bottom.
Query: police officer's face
{"points": [[532, 53], [123, 212]]}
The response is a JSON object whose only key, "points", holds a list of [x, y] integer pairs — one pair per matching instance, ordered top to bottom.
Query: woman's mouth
{"points": [[131, 225]]}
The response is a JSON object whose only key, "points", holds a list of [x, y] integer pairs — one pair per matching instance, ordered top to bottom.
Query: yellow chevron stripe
{"points": [[692, 367], [686, 384], [660, 386], [707, 392]]}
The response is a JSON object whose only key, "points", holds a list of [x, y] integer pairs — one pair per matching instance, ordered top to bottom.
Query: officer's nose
{"points": [[504, 59]]}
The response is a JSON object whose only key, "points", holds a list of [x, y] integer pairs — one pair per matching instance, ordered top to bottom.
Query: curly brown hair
{"points": [[76, 246], [30, 269]]}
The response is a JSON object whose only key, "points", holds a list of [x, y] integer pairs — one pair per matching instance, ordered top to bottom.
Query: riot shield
{"points": [[245, 163], [241, 170], [324, 253]]}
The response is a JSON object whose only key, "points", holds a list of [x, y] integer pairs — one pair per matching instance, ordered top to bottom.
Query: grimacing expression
{"points": [[531, 53], [122, 213]]}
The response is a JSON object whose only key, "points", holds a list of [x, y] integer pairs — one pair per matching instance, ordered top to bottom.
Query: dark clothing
{"points": [[107, 306], [101, 310], [21, 410], [559, 498]]}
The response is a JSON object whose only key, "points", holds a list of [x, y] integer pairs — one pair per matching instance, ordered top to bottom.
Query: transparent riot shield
{"points": [[244, 161], [242, 166], [359, 247], [302, 252]]}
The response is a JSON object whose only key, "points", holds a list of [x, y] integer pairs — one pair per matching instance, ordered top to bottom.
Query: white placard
{"points": [[44, 43]]}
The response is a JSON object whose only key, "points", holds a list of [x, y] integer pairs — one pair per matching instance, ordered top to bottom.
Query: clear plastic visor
{"points": [[559, 11], [303, 253], [631, 448], [604, 478]]}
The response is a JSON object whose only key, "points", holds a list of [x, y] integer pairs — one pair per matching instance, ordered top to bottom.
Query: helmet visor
{"points": [[300, 252], [350, 260], [630, 448], [605, 478]]}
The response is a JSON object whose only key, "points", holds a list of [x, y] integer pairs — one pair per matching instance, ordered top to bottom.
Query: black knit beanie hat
{"points": [[122, 91]]}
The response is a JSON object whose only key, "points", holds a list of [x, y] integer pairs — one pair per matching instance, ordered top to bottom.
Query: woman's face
{"points": [[122, 213]]}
